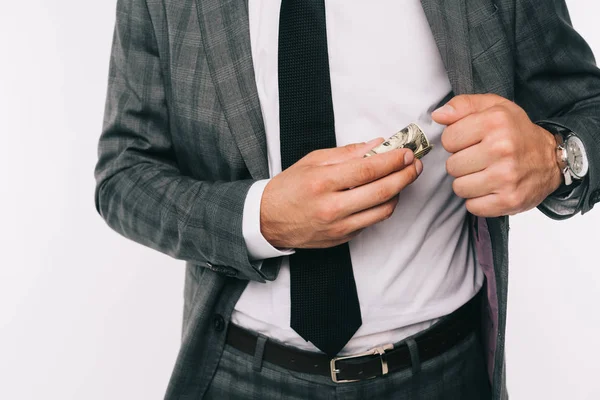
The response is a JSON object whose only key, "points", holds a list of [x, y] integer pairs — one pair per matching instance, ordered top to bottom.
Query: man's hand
{"points": [[503, 163], [309, 205]]}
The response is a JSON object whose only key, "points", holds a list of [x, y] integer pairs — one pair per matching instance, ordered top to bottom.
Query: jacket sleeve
{"points": [[558, 85], [140, 192]]}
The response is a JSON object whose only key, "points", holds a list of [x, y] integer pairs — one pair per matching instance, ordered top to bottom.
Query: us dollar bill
{"points": [[412, 137]]}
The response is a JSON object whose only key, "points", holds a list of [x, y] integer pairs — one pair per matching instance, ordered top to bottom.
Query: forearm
{"points": [[558, 83], [141, 192], [187, 219], [258, 247]]}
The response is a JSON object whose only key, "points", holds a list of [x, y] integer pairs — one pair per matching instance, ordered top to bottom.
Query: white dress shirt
{"points": [[417, 266]]}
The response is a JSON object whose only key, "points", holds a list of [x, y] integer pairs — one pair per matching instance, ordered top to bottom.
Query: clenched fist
{"points": [[503, 163], [330, 195]]}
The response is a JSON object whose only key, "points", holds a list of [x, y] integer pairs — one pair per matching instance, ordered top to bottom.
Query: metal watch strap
{"points": [[561, 158]]}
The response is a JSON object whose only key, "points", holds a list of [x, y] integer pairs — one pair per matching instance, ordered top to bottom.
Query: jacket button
{"points": [[218, 323]]}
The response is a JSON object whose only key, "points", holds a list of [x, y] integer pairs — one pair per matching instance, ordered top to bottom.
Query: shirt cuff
{"points": [[258, 247]]}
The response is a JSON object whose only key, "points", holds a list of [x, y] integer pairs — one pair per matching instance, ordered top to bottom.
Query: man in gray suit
{"points": [[313, 272]]}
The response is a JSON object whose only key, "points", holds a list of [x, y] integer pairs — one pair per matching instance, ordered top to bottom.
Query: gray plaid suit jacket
{"points": [[183, 140]]}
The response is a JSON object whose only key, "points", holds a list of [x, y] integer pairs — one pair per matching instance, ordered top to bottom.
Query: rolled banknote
{"points": [[412, 137]]}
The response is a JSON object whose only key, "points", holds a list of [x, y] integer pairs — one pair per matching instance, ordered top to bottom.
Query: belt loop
{"points": [[259, 351], [414, 356]]}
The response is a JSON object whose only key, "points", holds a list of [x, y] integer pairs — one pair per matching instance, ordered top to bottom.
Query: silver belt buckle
{"points": [[376, 351]]}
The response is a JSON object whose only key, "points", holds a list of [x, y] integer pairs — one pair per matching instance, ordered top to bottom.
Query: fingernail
{"points": [[446, 110], [408, 157], [419, 167]]}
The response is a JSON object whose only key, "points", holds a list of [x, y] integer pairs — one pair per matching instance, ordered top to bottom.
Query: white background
{"points": [[86, 314]]}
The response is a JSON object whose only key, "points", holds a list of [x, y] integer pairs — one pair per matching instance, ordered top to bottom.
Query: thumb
{"points": [[462, 106]]}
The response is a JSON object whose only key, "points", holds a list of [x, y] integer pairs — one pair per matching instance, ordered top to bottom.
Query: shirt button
{"points": [[218, 323]]}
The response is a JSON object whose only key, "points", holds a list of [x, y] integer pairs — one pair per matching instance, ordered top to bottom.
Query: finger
{"points": [[461, 106], [464, 133], [340, 154], [468, 161], [358, 172], [474, 185], [378, 192], [486, 206], [370, 216]]}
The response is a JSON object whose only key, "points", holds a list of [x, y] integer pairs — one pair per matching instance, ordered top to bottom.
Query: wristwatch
{"points": [[571, 156]]}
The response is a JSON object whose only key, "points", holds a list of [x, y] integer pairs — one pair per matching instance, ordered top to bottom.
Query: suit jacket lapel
{"points": [[448, 22], [225, 31]]}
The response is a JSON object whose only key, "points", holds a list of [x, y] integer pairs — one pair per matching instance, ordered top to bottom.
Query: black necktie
{"points": [[324, 303]]}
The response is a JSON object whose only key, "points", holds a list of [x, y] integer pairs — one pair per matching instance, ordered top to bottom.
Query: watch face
{"points": [[576, 157]]}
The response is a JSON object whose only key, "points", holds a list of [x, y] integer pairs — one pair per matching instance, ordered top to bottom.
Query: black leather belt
{"points": [[379, 361]]}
